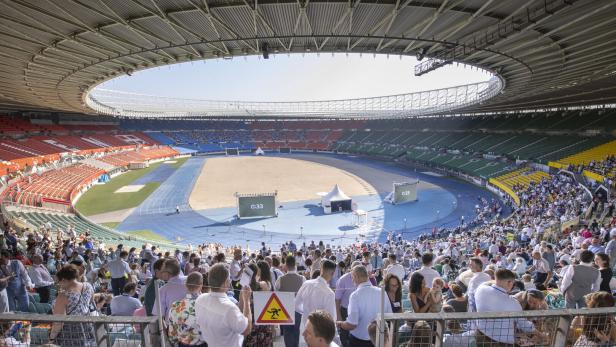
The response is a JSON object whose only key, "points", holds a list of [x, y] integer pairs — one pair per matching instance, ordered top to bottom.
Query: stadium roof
{"points": [[550, 53]]}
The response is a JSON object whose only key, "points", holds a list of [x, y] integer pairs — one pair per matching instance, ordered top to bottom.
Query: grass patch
{"points": [[180, 162], [102, 198], [103, 201], [111, 225], [148, 234]]}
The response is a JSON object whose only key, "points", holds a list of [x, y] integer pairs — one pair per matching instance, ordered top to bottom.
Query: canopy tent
{"points": [[259, 151], [336, 201]]}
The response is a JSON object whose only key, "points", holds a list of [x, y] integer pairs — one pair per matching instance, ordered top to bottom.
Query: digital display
{"points": [[405, 192], [258, 206]]}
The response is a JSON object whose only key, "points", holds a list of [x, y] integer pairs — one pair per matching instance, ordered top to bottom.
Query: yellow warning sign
{"points": [[274, 312]]}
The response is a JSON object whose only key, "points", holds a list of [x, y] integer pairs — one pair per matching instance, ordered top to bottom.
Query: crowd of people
{"points": [[605, 167], [533, 259]]}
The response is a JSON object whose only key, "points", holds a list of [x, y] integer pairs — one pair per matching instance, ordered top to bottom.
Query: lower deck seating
{"points": [[122, 159], [522, 178], [54, 184], [63, 221]]}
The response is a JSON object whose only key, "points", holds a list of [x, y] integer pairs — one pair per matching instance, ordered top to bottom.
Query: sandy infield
{"points": [[294, 180]]}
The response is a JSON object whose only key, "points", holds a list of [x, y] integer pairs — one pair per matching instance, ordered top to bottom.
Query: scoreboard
{"points": [[405, 192], [256, 205]]}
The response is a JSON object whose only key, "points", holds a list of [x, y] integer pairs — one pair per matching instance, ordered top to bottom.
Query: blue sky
{"points": [[294, 77]]}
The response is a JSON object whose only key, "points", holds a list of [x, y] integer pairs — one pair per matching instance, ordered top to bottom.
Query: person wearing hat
{"points": [[610, 249]]}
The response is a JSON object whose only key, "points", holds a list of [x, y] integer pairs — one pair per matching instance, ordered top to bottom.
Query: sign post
{"points": [[274, 308]]}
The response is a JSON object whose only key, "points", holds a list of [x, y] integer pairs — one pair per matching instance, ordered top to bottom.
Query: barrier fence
{"points": [[545, 328], [551, 328], [18, 330]]}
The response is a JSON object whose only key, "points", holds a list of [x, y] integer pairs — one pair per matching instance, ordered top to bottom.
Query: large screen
{"points": [[405, 192], [257, 206]]}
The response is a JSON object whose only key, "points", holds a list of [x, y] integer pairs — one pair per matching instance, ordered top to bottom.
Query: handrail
{"points": [[125, 104], [499, 315], [56, 318], [106, 330], [558, 333]]}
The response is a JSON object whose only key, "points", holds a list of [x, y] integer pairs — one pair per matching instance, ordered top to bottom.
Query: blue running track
{"points": [[438, 206]]}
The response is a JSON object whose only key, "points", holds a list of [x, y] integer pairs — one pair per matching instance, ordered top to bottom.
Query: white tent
{"points": [[259, 151], [336, 201]]}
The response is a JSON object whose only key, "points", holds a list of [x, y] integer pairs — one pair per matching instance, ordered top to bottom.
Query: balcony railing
{"points": [[430, 102]]}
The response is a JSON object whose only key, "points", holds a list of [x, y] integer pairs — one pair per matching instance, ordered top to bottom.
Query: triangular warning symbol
{"points": [[274, 312]]}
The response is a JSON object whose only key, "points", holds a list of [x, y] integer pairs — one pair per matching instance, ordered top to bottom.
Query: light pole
{"points": [[404, 224], [263, 229], [301, 232]]}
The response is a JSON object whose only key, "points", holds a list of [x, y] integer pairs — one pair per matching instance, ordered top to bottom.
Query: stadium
{"points": [[499, 190]]}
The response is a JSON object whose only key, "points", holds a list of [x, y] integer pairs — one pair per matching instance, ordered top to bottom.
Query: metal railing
{"points": [[429, 102], [542, 328], [103, 331]]}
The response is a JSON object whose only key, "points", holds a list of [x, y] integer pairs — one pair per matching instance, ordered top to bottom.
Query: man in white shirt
{"points": [[578, 240], [493, 249], [395, 268], [118, 269], [235, 269], [541, 269], [427, 271], [41, 278], [478, 278], [316, 294], [495, 298], [364, 305], [221, 322]]}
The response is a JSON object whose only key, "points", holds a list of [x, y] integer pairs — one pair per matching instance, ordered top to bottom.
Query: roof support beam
{"points": [[205, 9], [206, 12], [347, 14], [392, 18], [429, 21], [464, 24], [561, 27]]}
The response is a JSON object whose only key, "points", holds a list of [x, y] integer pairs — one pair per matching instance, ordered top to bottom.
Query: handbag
{"points": [[92, 310]]}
